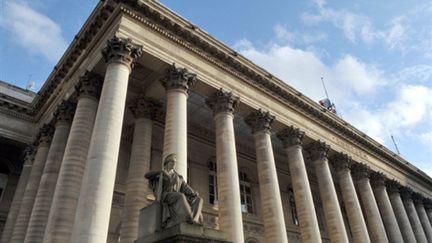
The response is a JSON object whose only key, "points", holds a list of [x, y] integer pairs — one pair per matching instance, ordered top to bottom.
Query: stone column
{"points": [[177, 83], [223, 105], [144, 111], [292, 139], [29, 154], [342, 164], [393, 189], [406, 194], [271, 202], [418, 202], [94, 204], [428, 208], [332, 212], [24, 213], [387, 213], [62, 215], [39, 217], [374, 222]]}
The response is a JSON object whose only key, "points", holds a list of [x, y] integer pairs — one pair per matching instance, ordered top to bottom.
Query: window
{"points": [[245, 193], [213, 197], [293, 207]]}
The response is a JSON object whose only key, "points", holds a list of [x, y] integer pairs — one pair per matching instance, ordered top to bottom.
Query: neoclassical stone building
{"points": [[138, 83]]}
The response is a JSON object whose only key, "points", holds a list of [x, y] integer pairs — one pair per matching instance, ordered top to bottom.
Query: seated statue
{"points": [[180, 203]]}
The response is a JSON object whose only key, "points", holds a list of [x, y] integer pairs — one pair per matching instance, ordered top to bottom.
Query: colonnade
{"points": [[67, 184]]}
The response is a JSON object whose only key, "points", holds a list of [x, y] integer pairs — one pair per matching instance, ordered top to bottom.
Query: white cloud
{"points": [[34, 31], [374, 101]]}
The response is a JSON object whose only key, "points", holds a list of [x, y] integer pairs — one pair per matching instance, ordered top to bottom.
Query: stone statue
{"points": [[179, 202]]}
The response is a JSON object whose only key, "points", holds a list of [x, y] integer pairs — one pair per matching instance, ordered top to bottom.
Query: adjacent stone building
{"points": [[138, 83]]}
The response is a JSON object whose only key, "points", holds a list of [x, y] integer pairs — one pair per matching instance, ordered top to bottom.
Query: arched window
{"points": [[245, 193], [213, 197], [293, 207]]}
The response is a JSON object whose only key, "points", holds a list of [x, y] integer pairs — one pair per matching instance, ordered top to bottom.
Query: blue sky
{"points": [[375, 56]]}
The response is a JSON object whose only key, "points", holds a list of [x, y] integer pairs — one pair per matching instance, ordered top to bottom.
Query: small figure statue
{"points": [[180, 203]]}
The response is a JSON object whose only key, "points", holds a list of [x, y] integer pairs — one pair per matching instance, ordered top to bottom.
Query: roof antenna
{"points": [[326, 103], [397, 150]]}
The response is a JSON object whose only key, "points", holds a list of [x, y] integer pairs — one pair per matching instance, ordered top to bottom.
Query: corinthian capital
{"points": [[121, 50], [178, 78], [89, 85], [222, 101], [143, 107], [65, 112], [260, 121], [45, 135], [291, 136], [318, 150], [29, 154], [341, 161], [360, 171], [377, 179], [393, 186], [406, 192], [418, 198]]}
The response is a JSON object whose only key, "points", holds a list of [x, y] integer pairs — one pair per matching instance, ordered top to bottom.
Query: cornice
{"points": [[190, 37]]}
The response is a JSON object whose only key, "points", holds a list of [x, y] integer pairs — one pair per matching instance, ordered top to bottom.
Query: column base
{"points": [[184, 233]]}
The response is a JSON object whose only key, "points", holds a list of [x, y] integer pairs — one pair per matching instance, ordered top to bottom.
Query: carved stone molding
{"points": [[121, 50], [178, 78], [89, 85], [222, 101], [143, 107], [65, 112], [260, 121], [45, 135], [291, 136], [318, 150], [29, 154], [341, 161], [360, 171], [377, 179], [393, 186], [406, 192], [427, 203]]}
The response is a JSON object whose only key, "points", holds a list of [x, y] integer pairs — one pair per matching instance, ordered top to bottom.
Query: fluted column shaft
{"points": [[177, 83], [48, 182], [136, 185], [32, 186], [18, 195], [95, 200], [271, 202], [351, 202], [332, 211], [429, 211], [400, 212], [387, 213], [62, 215], [230, 215], [423, 219], [374, 222], [309, 228], [419, 233]]}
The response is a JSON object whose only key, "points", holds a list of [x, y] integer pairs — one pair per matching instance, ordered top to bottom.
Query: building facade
{"points": [[138, 83]]}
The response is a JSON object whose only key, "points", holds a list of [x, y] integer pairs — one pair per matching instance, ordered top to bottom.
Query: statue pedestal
{"points": [[150, 231], [184, 233]]}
